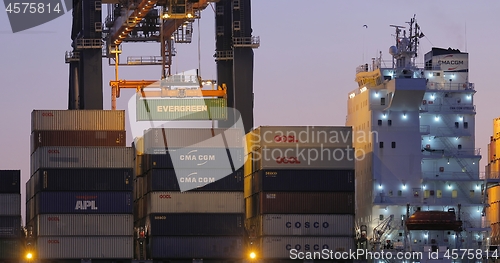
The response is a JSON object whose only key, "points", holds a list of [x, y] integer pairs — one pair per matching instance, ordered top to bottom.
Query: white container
{"points": [[71, 120], [304, 136], [82, 157], [302, 158], [195, 202], [10, 204], [84, 225], [303, 225], [85, 247], [284, 247]]}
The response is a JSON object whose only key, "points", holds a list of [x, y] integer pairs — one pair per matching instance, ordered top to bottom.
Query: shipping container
{"points": [[181, 109], [78, 120], [304, 136], [77, 138], [193, 138], [82, 157], [193, 158], [302, 158], [118, 179], [190, 179], [10, 181], [300, 181], [195, 202], [83, 203], [300, 203], [10, 204], [194, 224], [84, 225], [301, 225], [10, 227], [56, 247], [205, 247], [287, 247], [10, 249]]}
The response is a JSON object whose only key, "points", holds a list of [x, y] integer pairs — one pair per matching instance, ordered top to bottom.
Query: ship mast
{"points": [[405, 50]]}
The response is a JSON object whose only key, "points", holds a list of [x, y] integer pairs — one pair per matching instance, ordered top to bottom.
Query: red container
{"points": [[77, 138]]}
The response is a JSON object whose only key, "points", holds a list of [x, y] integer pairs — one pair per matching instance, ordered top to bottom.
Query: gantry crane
{"points": [[167, 22]]}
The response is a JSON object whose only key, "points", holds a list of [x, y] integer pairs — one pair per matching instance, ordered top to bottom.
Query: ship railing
{"points": [[450, 86], [462, 107], [425, 129], [462, 153], [443, 176]]}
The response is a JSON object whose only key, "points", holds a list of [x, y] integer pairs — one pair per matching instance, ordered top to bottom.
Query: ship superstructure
{"points": [[417, 175]]}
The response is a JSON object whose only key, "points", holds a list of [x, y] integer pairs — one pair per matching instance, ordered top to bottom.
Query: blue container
{"points": [[193, 158], [83, 180], [197, 180], [10, 181], [303, 181], [83, 203], [194, 224], [10, 227], [206, 247]]}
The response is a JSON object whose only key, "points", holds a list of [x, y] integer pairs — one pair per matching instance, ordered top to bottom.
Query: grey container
{"points": [[78, 120], [305, 136], [193, 137], [82, 157], [302, 158], [195, 202], [10, 204], [84, 225], [302, 225], [57, 247], [205, 247], [283, 247]]}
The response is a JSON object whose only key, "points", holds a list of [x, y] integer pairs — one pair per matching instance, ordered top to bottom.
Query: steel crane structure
{"points": [[166, 22]]}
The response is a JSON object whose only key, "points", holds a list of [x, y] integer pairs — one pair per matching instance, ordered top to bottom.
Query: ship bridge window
{"points": [[382, 101], [466, 125]]}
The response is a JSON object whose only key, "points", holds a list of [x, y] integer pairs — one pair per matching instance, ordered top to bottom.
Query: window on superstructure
{"points": [[382, 101], [379, 122], [389, 122], [456, 124], [466, 125], [381, 144], [393, 144], [400, 193], [471, 193], [454, 194], [381, 217]]}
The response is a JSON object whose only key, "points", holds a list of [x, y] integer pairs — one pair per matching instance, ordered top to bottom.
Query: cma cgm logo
{"points": [[451, 62], [191, 156], [85, 205]]}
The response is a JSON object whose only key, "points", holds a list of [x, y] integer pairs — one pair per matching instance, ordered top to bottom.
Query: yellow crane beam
{"points": [[132, 20]]}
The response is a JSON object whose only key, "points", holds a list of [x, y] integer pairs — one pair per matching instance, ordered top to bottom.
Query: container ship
{"points": [[418, 184]]}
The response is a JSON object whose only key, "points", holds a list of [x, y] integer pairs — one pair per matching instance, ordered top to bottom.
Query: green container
{"points": [[181, 109], [10, 249]]}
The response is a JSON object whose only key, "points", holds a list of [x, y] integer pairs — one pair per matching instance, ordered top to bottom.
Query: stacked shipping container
{"points": [[299, 190], [79, 196], [188, 197], [11, 232]]}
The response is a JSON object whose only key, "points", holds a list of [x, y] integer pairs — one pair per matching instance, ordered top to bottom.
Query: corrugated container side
{"points": [[181, 109], [81, 120], [305, 136], [77, 138], [193, 138], [82, 157], [193, 158], [303, 158], [119, 179], [197, 180], [10, 181], [300, 181], [30, 188], [83, 202], [195, 202], [300, 203], [10, 204], [30, 209], [192, 224], [84, 225], [302, 225], [10, 227], [85, 247], [206, 247], [280, 247], [10, 249]]}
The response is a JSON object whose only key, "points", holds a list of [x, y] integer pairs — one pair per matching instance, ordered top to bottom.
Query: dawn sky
{"points": [[304, 68]]}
